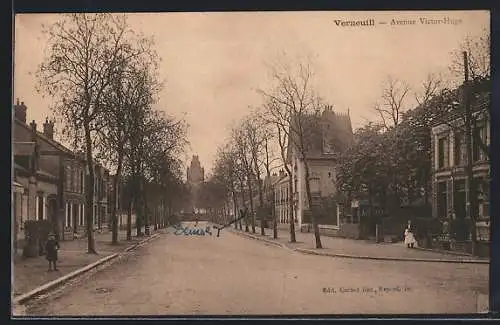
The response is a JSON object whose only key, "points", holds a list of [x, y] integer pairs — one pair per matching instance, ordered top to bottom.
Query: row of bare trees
{"points": [[104, 82], [284, 126]]}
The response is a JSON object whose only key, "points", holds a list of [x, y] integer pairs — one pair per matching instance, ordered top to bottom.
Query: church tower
{"points": [[195, 178]]}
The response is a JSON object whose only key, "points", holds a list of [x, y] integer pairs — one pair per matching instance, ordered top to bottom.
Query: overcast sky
{"points": [[213, 62]]}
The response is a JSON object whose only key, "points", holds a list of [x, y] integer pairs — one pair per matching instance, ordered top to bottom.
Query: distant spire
{"points": [[348, 112]]}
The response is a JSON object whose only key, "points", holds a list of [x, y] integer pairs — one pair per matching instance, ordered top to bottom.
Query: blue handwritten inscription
{"points": [[180, 230]]}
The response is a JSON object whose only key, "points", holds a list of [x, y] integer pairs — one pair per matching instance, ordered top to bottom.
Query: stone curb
{"points": [[251, 236], [465, 255], [381, 258], [385, 258], [22, 299]]}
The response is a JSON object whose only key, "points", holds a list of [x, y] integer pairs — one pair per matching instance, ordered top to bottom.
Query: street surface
{"points": [[232, 275]]}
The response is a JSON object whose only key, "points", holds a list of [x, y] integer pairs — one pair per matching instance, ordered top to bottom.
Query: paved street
{"points": [[204, 275]]}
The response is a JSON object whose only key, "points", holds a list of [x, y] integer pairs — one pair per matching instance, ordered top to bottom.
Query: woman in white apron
{"points": [[409, 238]]}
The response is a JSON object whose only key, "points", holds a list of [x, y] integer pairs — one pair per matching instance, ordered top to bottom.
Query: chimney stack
{"points": [[20, 111], [33, 126], [48, 129], [33, 131]]}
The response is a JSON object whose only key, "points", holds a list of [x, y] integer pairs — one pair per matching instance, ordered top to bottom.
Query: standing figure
{"points": [[409, 237], [51, 248]]}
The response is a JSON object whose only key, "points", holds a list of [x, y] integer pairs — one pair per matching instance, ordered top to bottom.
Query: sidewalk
{"points": [[341, 247], [31, 273]]}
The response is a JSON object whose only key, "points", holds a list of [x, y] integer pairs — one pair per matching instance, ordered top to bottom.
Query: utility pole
{"points": [[472, 197]]}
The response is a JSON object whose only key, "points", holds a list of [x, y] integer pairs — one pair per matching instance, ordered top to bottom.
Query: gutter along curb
{"points": [[379, 258], [26, 297]]}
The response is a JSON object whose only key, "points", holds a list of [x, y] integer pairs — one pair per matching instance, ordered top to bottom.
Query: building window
{"points": [[479, 136], [459, 149], [443, 152], [68, 177], [78, 180], [72, 181], [82, 181], [459, 199], [442, 203], [40, 209], [68, 215]]}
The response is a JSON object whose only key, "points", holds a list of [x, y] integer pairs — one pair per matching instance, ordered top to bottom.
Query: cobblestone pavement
{"points": [[337, 245], [30, 273], [231, 275]]}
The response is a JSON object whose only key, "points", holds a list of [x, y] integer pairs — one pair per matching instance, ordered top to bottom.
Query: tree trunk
{"points": [[261, 200], [309, 200], [235, 206], [244, 206], [170, 207], [290, 207], [114, 208], [370, 209], [89, 211], [138, 211], [252, 211], [162, 213], [155, 217], [129, 220], [275, 221], [147, 230]]}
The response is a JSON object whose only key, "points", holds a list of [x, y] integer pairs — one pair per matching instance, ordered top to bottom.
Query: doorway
{"points": [[459, 206]]}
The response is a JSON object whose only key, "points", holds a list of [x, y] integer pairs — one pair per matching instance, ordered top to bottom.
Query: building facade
{"points": [[330, 134], [53, 178], [450, 184], [282, 197]]}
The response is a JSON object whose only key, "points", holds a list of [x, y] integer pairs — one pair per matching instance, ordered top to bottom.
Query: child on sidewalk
{"points": [[51, 248]]}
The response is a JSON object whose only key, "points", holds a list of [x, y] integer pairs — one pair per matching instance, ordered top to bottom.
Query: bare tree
{"points": [[479, 57], [83, 60], [136, 86], [431, 87], [392, 105], [294, 107], [256, 138], [160, 140], [243, 149], [267, 160], [226, 170]]}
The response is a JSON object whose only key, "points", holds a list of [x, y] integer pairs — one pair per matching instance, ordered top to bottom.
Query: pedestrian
{"points": [[409, 237], [51, 248]]}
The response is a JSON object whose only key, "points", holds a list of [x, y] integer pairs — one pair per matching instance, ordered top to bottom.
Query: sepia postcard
{"points": [[251, 163]]}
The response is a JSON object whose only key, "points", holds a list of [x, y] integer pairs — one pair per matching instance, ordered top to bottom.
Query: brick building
{"points": [[52, 178]]}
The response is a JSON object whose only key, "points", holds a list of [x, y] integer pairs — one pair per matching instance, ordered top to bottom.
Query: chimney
{"points": [[20, 111], [48, 129], [33, 131]]}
